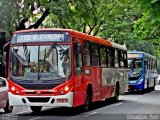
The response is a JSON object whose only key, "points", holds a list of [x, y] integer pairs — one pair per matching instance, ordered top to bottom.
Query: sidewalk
{"points": [[157, 87]]}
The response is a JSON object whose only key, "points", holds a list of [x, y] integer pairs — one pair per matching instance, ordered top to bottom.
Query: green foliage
{"points": [[15, 13], [82, 15], [112, 19], [134, 23], [147, 28]]}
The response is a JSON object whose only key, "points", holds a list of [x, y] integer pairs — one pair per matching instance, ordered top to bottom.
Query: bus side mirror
{"points": [[5, 50], [4, 58]]}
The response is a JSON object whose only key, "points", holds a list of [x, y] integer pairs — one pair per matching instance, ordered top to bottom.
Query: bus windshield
{"points": [[42, 62], [136, 67]]}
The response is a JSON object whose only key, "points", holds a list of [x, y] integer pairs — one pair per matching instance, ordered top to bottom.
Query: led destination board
{"points": [[41, 37], [134, 55]]}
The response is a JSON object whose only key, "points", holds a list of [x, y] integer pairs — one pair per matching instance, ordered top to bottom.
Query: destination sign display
{"points": [[40, 37], [134, 55]]}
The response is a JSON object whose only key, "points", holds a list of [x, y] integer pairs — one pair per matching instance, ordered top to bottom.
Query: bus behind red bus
{"points": [[64, 68]]}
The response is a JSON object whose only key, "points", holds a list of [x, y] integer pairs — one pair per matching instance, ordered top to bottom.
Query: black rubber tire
{"points": [[153, 88], [147, 90], [116, 97], [88, 101], [8, 108], [36, 109]]}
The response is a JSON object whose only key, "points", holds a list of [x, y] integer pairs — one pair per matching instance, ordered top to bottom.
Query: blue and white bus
{"points": [[143, 71]]}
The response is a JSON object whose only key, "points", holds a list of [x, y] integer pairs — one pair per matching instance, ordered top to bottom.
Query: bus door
{"points": [[5, 59], [78, 74]]}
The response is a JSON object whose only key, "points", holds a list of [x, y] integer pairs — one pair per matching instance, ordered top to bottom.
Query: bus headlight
{"points": [[140, 81], [65, 89], [14, 90]]}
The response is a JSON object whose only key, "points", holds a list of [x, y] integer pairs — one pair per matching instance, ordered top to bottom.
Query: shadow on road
{"points": [[138, 92], [70, 111], [2, 113]]}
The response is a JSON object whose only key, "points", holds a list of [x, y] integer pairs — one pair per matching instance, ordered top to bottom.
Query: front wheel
{"points": [[153, 88], [116, 97], [88, 100], [8, 108], [36, 109]]}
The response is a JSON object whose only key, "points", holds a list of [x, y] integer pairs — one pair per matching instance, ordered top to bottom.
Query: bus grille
{"points": [[134, 78], [38, 86], [34, 99]]}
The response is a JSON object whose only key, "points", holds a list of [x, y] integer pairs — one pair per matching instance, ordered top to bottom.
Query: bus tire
{"points": [[153, 88], [147, 89], [116, 97], [88, 99], [8, 108], [36, 109]]}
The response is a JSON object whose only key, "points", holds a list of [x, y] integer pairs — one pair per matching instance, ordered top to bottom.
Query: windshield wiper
{"points": [[46, 54]]}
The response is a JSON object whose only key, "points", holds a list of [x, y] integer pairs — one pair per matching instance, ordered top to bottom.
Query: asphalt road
{"points": [[131, 106]]}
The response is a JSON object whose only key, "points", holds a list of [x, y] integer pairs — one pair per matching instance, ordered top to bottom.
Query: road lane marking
{"points": [[135, 98], [118, 104], [21, 112], [90, 114], [35, 118]]}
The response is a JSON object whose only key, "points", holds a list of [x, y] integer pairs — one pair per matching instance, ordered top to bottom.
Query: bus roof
{"points": [[44, 29], [79, 34], [115, 45], [140, 52]]}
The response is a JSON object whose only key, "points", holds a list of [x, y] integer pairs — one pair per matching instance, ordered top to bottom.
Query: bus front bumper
{"points": [[135, 87], [48, 101]]}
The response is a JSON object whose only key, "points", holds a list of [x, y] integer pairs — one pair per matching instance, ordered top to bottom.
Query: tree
{"points": [[16, 13], [83, 15], [110, 19], [147, 28]]}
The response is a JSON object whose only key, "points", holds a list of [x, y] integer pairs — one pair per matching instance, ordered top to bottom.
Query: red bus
{"points": [[64, 68]]}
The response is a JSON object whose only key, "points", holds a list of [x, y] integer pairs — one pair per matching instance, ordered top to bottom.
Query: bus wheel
{"points": [[153, 88], [147, 89], [116, 97], [88, 100], [8, 108], [36, 109]]}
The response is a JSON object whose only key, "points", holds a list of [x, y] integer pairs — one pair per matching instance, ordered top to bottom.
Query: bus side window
{"points": [[95, 54], [110, 54], [103, 57], [77, 58], [121, 58], [116, 59], [125, 59], [87, 60], [147, 64], [151, 64], [156, 64]]}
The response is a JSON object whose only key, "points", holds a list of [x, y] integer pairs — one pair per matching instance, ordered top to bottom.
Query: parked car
{"points": [[158, 78], [4, 101]]}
